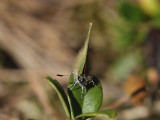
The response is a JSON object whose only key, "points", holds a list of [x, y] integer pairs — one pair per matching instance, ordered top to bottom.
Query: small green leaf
{"points": [[61, 94], [93, 99], [106, 113]]}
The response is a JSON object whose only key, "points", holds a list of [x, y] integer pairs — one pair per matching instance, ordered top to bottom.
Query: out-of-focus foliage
{"points": [[131, 12], [125, 35]]}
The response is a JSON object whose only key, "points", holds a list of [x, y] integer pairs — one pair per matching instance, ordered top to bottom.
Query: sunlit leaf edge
{"points": [[62, 95], [106, 113]]}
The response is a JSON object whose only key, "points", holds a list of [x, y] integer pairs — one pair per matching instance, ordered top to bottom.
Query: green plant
{"points": [[76, 105]]}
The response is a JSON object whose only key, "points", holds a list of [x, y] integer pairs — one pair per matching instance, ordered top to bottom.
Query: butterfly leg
{"points": [[73, 85], [83, 91]]}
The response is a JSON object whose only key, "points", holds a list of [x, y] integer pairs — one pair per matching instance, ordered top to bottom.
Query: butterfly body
{"points": [[84, 82]]}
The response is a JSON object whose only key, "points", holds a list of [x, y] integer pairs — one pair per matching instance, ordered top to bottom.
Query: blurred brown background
{"points": [[42, 37]]}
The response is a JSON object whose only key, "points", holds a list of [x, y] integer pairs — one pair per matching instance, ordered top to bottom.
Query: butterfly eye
{"points": [[80, 77]]}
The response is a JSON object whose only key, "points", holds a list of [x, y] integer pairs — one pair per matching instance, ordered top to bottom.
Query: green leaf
{"points": [[131, 11], [81, 58], [61, 94], [93, 99], [71, 108], [106, 113]]}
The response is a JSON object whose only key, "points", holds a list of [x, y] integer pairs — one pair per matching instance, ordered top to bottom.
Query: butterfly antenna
{"points": [[62, 75]]}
